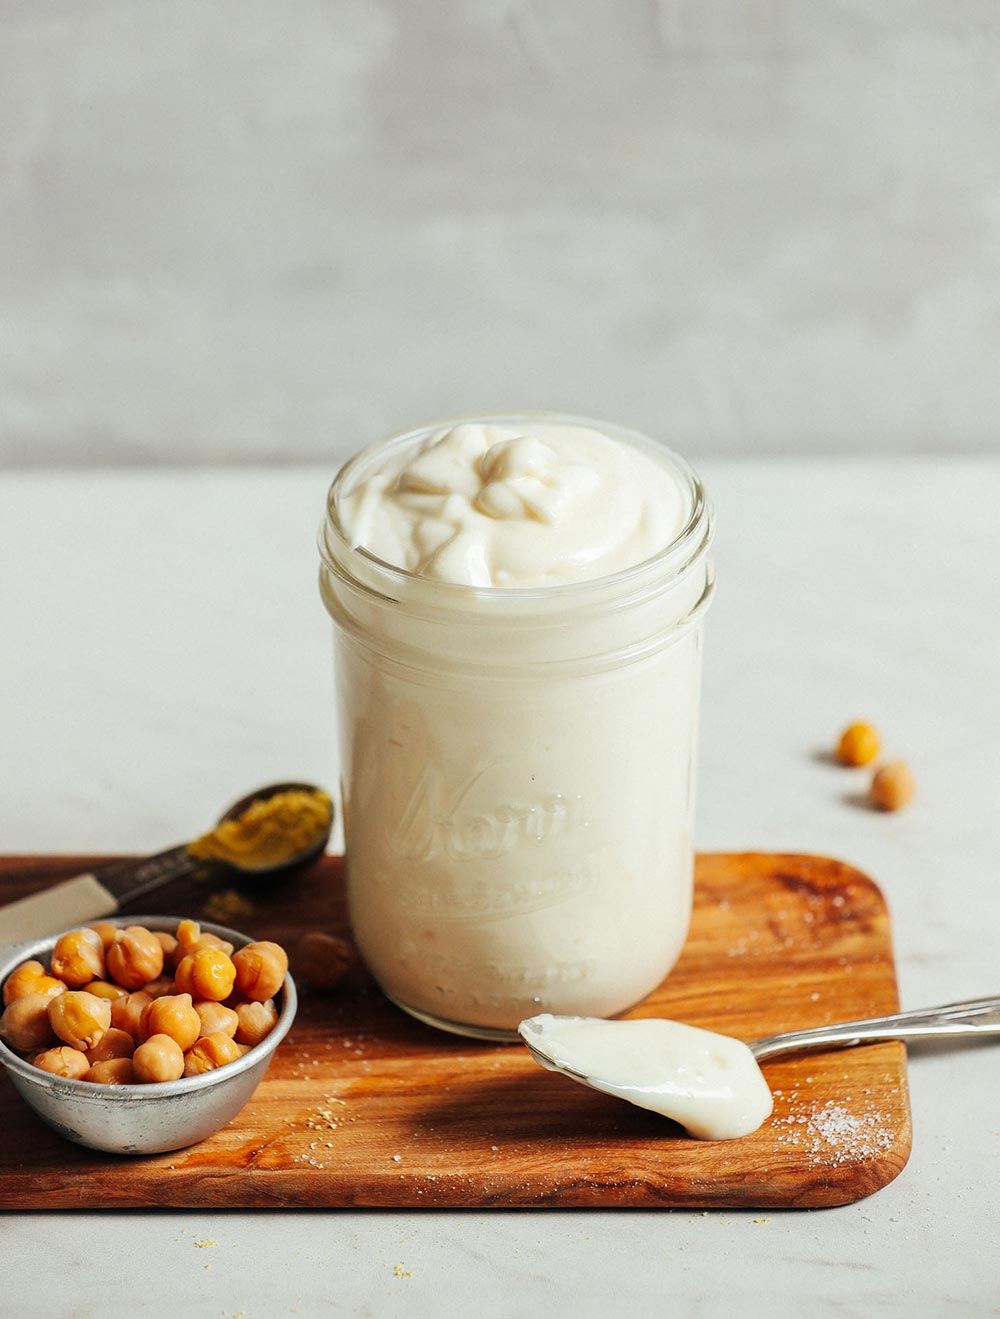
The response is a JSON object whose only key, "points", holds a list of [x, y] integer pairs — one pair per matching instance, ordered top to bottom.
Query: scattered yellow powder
{"points": [[227, 907]]}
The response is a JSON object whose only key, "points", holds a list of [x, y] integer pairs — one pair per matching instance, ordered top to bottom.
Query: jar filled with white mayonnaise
{"points": [[517, 604]]}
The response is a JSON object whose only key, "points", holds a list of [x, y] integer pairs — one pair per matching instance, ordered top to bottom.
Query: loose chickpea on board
{"points": [[322, 960]]}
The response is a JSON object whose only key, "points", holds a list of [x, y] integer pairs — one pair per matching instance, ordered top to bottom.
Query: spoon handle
{"points": [[89, 896], [979, 1016]]}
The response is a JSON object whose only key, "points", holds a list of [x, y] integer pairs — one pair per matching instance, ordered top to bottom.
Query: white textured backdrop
{"points": [[236, 230]]}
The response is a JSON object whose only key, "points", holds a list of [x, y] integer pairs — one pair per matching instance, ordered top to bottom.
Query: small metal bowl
{"points": [[144, 1119]]}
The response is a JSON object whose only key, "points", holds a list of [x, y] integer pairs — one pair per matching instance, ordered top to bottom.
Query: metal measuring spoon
{"points": [[101, 892], [711, 1083]]}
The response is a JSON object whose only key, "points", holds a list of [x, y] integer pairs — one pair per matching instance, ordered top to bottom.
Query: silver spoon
{"points": [[101, 892], [976, 1016], [707, 1082], [711, 1083]]}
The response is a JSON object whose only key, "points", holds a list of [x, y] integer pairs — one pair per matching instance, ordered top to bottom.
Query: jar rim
{"points": [[699, 520]]}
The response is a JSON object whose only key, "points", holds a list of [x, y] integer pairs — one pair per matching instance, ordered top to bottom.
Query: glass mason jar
{"points": [[518, 770]]}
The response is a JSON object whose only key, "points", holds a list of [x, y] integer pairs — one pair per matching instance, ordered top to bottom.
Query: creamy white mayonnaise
{"points": [[536, 504], [518, 764], [709, 1083]]}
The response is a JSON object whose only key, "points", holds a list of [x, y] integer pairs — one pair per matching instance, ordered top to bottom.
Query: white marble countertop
{"points": [[162, 647]]}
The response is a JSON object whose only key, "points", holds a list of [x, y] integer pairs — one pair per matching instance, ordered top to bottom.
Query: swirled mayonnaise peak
{"points": [[537, 504]]}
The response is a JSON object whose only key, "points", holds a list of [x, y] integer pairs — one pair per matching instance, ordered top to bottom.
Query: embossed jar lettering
{"points": [[432, 822]]}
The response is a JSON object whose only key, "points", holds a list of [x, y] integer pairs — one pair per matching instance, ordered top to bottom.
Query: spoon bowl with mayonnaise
{"points": [[267, 834], [711, 1083]]}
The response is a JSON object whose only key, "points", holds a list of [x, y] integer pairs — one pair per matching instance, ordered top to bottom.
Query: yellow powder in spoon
{"points": [[269, 832]]}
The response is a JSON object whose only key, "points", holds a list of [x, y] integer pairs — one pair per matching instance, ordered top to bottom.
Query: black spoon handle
{"points": [[90, 896]]}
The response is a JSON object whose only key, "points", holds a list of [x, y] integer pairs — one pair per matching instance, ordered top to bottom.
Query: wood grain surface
{"points": [[365, 1107]]}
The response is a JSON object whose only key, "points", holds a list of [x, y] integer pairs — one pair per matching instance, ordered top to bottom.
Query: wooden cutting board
{"points": [[365, 1107]]}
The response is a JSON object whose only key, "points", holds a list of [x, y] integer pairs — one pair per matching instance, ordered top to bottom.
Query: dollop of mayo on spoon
{"points": [[710, 1084]]}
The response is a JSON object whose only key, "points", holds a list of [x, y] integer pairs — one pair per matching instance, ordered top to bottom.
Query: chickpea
{"points": [[859, 744], [892, 786], [106, 930], [188, 934], [191, 937], [209, 940], [169, 945], [78, 957], [135, 957], [323, 960], [260, 969], [205, 973], [30, 978], [160, 986], [105, 989], [126, 1013], [172, 1015], [216, 1017], [79, 1018], [256, 1021], [25, 1023], [114, 1043], [210, 1052], [160, 1058], [63, 1061], [112, 1071]]}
